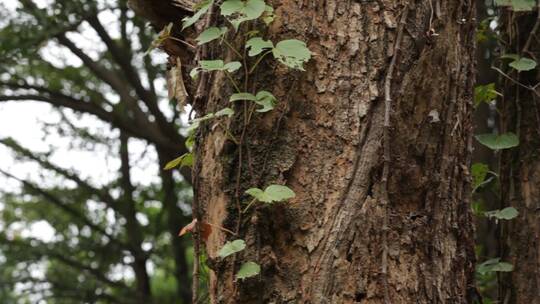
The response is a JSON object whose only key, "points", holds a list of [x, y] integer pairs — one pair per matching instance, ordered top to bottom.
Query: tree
{"points": [[374, 138], [520, 171], [98, 231]]}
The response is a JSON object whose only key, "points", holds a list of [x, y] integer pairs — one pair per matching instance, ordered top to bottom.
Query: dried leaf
{"points": [[175, 84], [206, 229]]}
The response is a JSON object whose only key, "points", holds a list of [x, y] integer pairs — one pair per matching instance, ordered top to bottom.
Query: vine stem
{"points": [[182, 41], [232, 48], [258, 61], [236, 87], [387, 151], [249, 205]]}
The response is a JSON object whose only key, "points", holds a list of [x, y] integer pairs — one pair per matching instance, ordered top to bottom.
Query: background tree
{"points": [[520, 167], [114, 239]]}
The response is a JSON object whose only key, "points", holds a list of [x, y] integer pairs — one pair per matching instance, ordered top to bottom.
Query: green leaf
{"points": [[517, 5], [230, 7], [203, 8], [241, 11], [268, 15], [211, 34], [163, 35], [257, 45], [292, 53], [510, 56], [520, 63], [523, 64], [212, 65], [219, 65], [233, 66], [194, 72], [485, 93], [242, 96], [263, 98], [266, 100], [225, 112], [196, 122], [498, 142], [184, 160], [479, 173], [273, 193], [279, 193], [507, 213], [232, 248], [494, 265], [248, 269]]}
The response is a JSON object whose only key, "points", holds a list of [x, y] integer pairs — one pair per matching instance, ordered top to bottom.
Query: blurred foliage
{"points": [[101, 229]]}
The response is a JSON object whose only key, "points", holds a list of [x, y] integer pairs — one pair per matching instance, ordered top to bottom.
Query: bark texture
{"points": [[324, 140], [520, 171], [362, 228]]}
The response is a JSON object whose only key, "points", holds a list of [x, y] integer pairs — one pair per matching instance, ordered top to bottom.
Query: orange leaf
{"points": [[206, 229]]}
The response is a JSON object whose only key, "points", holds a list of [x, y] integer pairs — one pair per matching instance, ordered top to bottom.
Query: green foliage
{"points": [[517, 5], [202, 9], [239, 11], [211, 34], [163, 35], [257, 45], [292, 53], [520, 63], [215, 65], [485, 93], [263, 98], [196, 122], [498, 142], [184, 160], [479, 173], [273, 193], [507, 213], [231, 248], [494, 265], [247, 270]]}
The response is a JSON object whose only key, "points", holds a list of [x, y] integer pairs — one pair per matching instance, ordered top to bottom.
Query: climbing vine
{"points": [[291, 52], [487, 181]]}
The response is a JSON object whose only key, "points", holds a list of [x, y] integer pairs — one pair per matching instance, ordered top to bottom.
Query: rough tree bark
{"points": [[520, 170], [358, 231]]}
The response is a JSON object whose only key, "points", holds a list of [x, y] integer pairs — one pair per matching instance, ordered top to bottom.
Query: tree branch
{"points": [[66, 208]]}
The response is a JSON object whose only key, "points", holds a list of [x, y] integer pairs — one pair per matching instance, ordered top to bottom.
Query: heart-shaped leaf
{"points": [[203, 8], [240, 11], [211, 34], [257, 45], [292, 53], [498, 142], [184, 160], [273, 193], [507, 213], [232, 248], [494, 265], [247, 270]]}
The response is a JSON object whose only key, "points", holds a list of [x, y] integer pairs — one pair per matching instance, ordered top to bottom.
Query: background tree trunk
{"points": [[324, 140], [520, 177]]}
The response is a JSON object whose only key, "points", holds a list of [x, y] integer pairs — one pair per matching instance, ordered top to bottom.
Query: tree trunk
{"points": [[520, 174], [134, 234], [350, 235]]}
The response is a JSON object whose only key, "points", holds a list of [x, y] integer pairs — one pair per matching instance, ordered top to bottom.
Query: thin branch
{"points": [[65, 207]]}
